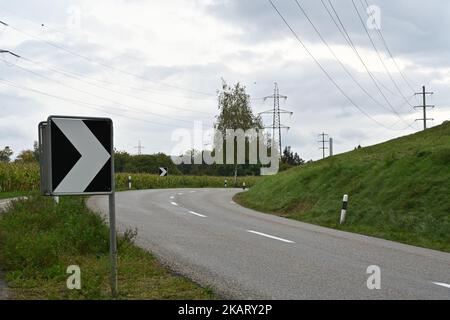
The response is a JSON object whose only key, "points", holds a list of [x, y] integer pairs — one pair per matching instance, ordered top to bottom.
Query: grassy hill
{"points": [[398, 190]]}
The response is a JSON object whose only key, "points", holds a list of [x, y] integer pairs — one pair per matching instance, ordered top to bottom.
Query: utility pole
{"points": [[424, 106], [276, 116], [323, 141], [331, 146], [139, 147]]}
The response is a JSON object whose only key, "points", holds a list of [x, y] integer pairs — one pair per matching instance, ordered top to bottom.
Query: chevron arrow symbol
{"points": [[93, 155], [162, 171]]}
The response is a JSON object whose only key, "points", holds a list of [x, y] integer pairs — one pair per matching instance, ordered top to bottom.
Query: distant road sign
{"points": [[77, 155], [163, 171]]}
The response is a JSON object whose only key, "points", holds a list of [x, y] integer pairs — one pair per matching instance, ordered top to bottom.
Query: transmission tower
{"points": [[424, 106], [276, 116], [323, 141], [139, 147]]}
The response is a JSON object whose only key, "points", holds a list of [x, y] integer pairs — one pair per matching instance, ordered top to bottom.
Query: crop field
{"points": [[25, 177]]}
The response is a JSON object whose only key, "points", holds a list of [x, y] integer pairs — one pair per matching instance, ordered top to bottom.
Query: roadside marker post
{"points": [[77, 158], [129, 182], [225, 183], [243, 185], [344, 208]]}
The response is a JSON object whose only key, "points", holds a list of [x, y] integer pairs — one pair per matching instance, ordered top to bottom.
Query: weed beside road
{"points": [[39, 240]]}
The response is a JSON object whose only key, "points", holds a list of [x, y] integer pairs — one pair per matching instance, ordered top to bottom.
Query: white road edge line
{"points": [[174, 203], [197, 214], [269, 236], [442, 284]]}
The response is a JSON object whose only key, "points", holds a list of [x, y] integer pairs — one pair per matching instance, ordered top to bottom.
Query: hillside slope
{"points": [[398, 190]]}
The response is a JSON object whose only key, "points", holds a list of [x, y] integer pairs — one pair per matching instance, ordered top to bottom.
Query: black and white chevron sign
{"points": [[79, 155], [163, 171]]}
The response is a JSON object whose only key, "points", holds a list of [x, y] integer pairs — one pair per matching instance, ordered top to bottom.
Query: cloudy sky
{"points": [[155, 66]]}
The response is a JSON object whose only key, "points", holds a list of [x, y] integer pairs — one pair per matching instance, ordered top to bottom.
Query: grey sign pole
{"points": [[112, 226], [113, 243]]}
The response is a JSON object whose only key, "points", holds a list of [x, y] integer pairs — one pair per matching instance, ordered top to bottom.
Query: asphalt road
{"points": [[244, 254]]}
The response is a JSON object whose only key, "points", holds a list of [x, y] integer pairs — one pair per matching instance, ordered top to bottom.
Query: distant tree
{"points": [[235, 113], [36, 150], [5, 154], [26, 156], [121, 158], [290, 159], [145, 163]]}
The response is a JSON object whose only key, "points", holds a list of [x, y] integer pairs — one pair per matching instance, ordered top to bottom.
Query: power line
{"points": [[349, 41], [377, 52], [100, 63], [341, 63], [323, 69], [82, 77], [79, 78], [408, 83], [83, 104], [127, 108]]}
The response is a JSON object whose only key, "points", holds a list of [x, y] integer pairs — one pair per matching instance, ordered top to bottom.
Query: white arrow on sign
{"points": [[93, 155], [163, 171]]}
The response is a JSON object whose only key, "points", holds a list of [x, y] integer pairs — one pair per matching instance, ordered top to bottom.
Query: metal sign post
{"points": [[77, 158], [112, 226], [113, 243]]}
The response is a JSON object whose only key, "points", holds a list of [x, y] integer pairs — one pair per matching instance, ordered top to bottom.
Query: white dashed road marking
{"points": [[174, 203], [197, 214], [269, 236], [442, 284]]}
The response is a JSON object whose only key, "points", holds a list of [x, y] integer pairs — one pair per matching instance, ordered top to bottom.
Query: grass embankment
{"points": [[398, 190], [39, 240]]}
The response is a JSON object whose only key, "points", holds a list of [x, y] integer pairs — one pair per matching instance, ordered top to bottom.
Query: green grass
{"points": [[398, 190], [14, 194], [39, 240]]}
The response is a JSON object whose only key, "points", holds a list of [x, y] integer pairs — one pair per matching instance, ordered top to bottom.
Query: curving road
{"points": [[244, 254]]}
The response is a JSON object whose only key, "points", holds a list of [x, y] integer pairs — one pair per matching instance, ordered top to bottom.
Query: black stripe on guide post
{"points": [[344, 205]]}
